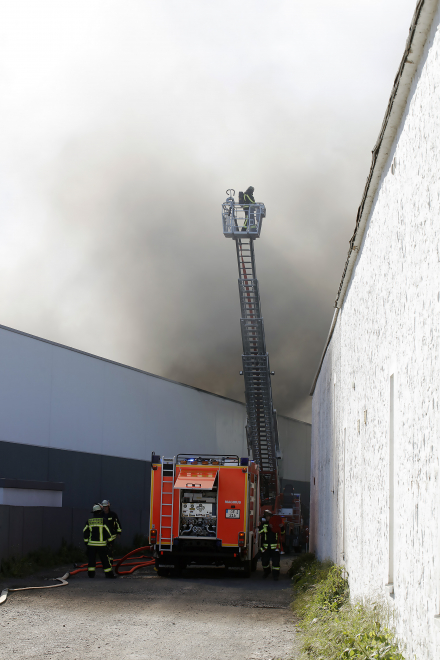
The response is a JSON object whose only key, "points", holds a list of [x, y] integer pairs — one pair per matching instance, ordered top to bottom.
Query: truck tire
{"points": [[247, 568]]}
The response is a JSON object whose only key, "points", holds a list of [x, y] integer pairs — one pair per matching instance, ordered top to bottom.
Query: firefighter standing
{"points": [[248, 198], [112, 521], [96, 537], [270, 546]]}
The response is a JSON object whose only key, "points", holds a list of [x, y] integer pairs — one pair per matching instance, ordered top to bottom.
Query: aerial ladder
{"points": [[242, 223]]}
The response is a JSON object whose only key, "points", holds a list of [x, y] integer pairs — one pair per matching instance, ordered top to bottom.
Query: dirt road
{"points": [[203, 615]]}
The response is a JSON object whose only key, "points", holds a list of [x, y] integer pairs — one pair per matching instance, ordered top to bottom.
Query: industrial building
{"points": [[375, 424], [76, 428]]}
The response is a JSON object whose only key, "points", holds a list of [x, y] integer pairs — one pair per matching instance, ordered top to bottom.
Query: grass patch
{"points": [[39, 559], [331, 627]]}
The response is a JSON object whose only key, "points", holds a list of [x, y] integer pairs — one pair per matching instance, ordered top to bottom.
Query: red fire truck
{"points": [[204, 511]]}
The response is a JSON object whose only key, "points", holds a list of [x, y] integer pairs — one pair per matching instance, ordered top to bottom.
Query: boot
{"points": [[266, 572], [91, 574], [110, 575], [276, 575]]}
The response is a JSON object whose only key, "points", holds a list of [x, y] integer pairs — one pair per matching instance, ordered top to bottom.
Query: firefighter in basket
{"points": [[270, 546]]}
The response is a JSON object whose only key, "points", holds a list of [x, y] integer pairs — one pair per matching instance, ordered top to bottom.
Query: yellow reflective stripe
{"points": [[103, 544], [91, 568], [107, 570]]}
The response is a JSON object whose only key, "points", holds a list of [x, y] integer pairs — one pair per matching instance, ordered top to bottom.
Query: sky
{"points": [[123, 124]]}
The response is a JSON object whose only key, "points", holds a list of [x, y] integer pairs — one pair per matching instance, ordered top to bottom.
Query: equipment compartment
{"points": [[198, 514]]}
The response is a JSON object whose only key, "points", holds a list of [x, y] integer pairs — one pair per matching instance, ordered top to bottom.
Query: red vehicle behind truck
{"points": [[204, 511]]}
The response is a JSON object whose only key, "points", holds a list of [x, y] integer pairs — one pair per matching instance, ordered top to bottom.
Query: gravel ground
{"points": [[205, 614]]}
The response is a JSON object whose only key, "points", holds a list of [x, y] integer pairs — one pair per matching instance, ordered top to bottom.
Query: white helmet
{"points": [[105, 503], [97, 507]]}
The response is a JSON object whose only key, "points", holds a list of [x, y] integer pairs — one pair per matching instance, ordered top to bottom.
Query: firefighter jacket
{"points": [[248, 199], [112, 521], [96, 532], [269, 538]]}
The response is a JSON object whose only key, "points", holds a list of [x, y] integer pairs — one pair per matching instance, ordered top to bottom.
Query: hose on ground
{"points": [[136, 563]]}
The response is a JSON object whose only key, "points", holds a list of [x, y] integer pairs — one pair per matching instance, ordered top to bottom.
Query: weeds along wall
{"points": [[375, 428]]}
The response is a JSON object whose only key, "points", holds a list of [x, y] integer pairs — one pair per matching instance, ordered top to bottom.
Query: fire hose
{"points": [[137, 562]]}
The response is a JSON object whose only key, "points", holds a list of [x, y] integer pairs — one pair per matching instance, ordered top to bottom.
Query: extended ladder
{"points": [[261, 423], [262, 432], [167, 504]]}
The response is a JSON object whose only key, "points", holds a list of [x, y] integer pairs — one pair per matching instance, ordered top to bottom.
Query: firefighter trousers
{"points": [[101, 551], [110, 551], [269, 555]]}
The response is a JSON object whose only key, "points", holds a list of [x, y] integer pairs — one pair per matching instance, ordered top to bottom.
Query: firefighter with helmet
{"points": [[248, 199], [112, 521], [96, 536], [270, 546]]}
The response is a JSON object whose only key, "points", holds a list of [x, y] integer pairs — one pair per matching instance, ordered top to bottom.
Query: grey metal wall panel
{"points": [[25, 389], [55, 397], [77, 402], [73, 405], [126, 413], [19, 461], [81, 475], [87, 478], [122, 482], [130, 523], [57, 526], [4, 531], [33, 538], [15, 545]]}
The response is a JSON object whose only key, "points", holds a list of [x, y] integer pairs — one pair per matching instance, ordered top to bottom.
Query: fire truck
{"points": [[206, 509]]}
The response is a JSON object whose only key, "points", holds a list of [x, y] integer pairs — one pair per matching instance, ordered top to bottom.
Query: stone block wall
{"points": [[368, 444]]}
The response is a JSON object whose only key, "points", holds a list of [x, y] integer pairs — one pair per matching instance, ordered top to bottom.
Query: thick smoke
{"points": [[125, 132], [152, 282]]}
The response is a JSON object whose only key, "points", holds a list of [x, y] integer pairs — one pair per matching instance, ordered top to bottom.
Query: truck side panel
{"points": [[232, 501]]}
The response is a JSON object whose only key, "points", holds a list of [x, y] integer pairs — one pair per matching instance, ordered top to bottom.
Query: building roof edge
{"points": [[117, 364], [141, 371]]}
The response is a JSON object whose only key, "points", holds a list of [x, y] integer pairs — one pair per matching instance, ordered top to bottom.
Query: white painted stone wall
{"points": [[389, 324]]}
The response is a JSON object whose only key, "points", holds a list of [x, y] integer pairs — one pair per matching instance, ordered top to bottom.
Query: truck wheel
{"points": [[247, 566]]}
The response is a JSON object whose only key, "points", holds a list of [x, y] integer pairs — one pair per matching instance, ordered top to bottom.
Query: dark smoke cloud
{"points": [[120, 155], [152, 282]]}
